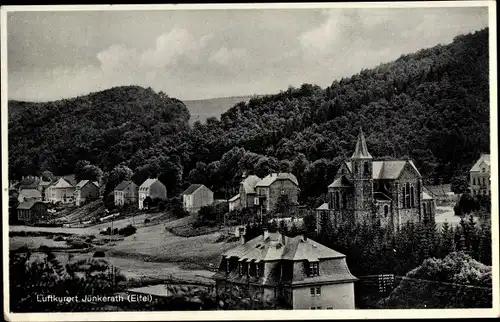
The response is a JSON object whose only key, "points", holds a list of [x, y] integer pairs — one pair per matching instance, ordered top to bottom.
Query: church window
{"points": [[366, 168], [473, 180], [484, 180], [407, 195], [412, 196], [404, 197], [330, 200], [337, 200], [344, 201], [386, 210], [425, 211]]}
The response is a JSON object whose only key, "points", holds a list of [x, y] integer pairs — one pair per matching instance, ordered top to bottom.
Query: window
{"points": [[355, 168], [366, 168], [484, 169], [473, 180], [484, 180], [407, 195], [412, 196], [404, 197], [330, 200], [337, 200], [344, 200], [386, 210], [227, 266], [240, 266], [313, 269], [257, 270], [315, 291], [315, 307], [329, 308]]}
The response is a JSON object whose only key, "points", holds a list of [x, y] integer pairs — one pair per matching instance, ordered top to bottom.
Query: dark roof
{"points": [[361, 151], [387, 169], [341, 182], [122, 185], [192, 188], [381, 196], [28, 204], [296, 248]]}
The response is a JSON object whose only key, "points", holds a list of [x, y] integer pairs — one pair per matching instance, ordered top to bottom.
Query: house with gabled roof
{"points": [[479, 181], [274, 185], [152, 188], [86, 190], [60, 191], [389, 191], [126, 192], [29, 194], [196, 196], [246, 196], [31, 211], [298, 272]]}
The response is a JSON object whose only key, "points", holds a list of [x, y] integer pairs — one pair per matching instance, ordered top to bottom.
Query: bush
{"points": [[162, 206], [147, 220], [127, 231], [99, 253]]}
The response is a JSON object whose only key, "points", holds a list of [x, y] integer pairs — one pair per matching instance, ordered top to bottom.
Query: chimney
{"points": [[265, 233], [242, 235], [283, 237]]}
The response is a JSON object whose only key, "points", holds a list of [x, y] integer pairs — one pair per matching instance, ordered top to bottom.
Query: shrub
{"points": [[162, 206], [146, 220], [127, 231], [99, 253]]}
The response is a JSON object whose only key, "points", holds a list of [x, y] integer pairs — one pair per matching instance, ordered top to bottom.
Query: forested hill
{"points": [[432, 106], [104, 128]]}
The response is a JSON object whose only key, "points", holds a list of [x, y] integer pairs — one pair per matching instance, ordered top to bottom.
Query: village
{"points": [[145, 231]]}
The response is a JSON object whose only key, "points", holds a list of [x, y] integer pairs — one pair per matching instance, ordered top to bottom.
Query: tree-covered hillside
{"points": [[432, 106], [104, 128]]}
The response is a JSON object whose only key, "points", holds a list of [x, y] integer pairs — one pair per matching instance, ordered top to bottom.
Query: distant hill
{"points": [[200, 110]]}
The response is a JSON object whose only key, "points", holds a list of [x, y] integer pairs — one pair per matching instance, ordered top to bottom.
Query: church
{"points": [[367, 190]]}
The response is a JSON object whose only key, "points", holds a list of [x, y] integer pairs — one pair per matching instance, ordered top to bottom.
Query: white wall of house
{"points": [[332, 296]]}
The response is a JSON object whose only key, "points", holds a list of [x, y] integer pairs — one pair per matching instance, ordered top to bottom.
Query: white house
{"points": [[152, 188]]}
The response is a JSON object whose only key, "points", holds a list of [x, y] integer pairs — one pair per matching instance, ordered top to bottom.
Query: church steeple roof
{"points": [[361, 151]]}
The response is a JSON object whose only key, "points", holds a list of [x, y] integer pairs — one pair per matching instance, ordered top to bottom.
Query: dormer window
{"points": [[313, 269]]}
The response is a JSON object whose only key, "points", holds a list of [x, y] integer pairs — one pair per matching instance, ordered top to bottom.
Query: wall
{"points": [[479, 182], [158, 190], [275, 190], [199, 198], [403, 215], [335, 296]]}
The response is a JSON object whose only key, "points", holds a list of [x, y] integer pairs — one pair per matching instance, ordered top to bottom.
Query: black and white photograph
{"points": [[162, 160]]}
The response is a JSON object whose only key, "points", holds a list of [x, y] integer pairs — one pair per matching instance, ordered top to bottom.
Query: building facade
{"points": [[479, 181], [275, 185], [152, 188], [86, 190], [366, 190], [60, 191], [126, 192], [196, 196], [31, 212], [295, 273]]}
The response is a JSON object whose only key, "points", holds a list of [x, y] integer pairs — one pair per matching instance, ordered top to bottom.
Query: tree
{"points": [[89, 172], [119, 173], [47, 176], [147, 202]]}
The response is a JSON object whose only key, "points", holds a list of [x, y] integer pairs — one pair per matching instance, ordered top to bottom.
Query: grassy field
{"points": [[446, 214]]}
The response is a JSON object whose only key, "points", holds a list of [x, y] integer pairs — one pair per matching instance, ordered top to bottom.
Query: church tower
{"points": [[362, 167]]}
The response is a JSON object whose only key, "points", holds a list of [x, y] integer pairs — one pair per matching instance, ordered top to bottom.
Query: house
{"points": [[28, 182], [480, 182], [273, 186], [152, 188], [86, 190], [367, 190], [60, 191], [125, 193], [29, 194], [196, 196], [246, 196], [235, 203], [30, 212], [298, 272]]}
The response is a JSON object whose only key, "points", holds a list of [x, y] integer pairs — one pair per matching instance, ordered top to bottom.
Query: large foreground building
{"points": [[480, 183], [366, 190], [298, 273]]}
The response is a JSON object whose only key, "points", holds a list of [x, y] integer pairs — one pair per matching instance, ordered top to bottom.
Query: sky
{"points": [[198, 54]]}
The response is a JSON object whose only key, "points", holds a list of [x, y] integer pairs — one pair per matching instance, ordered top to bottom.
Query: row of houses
{"points": [[62, 190]]}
